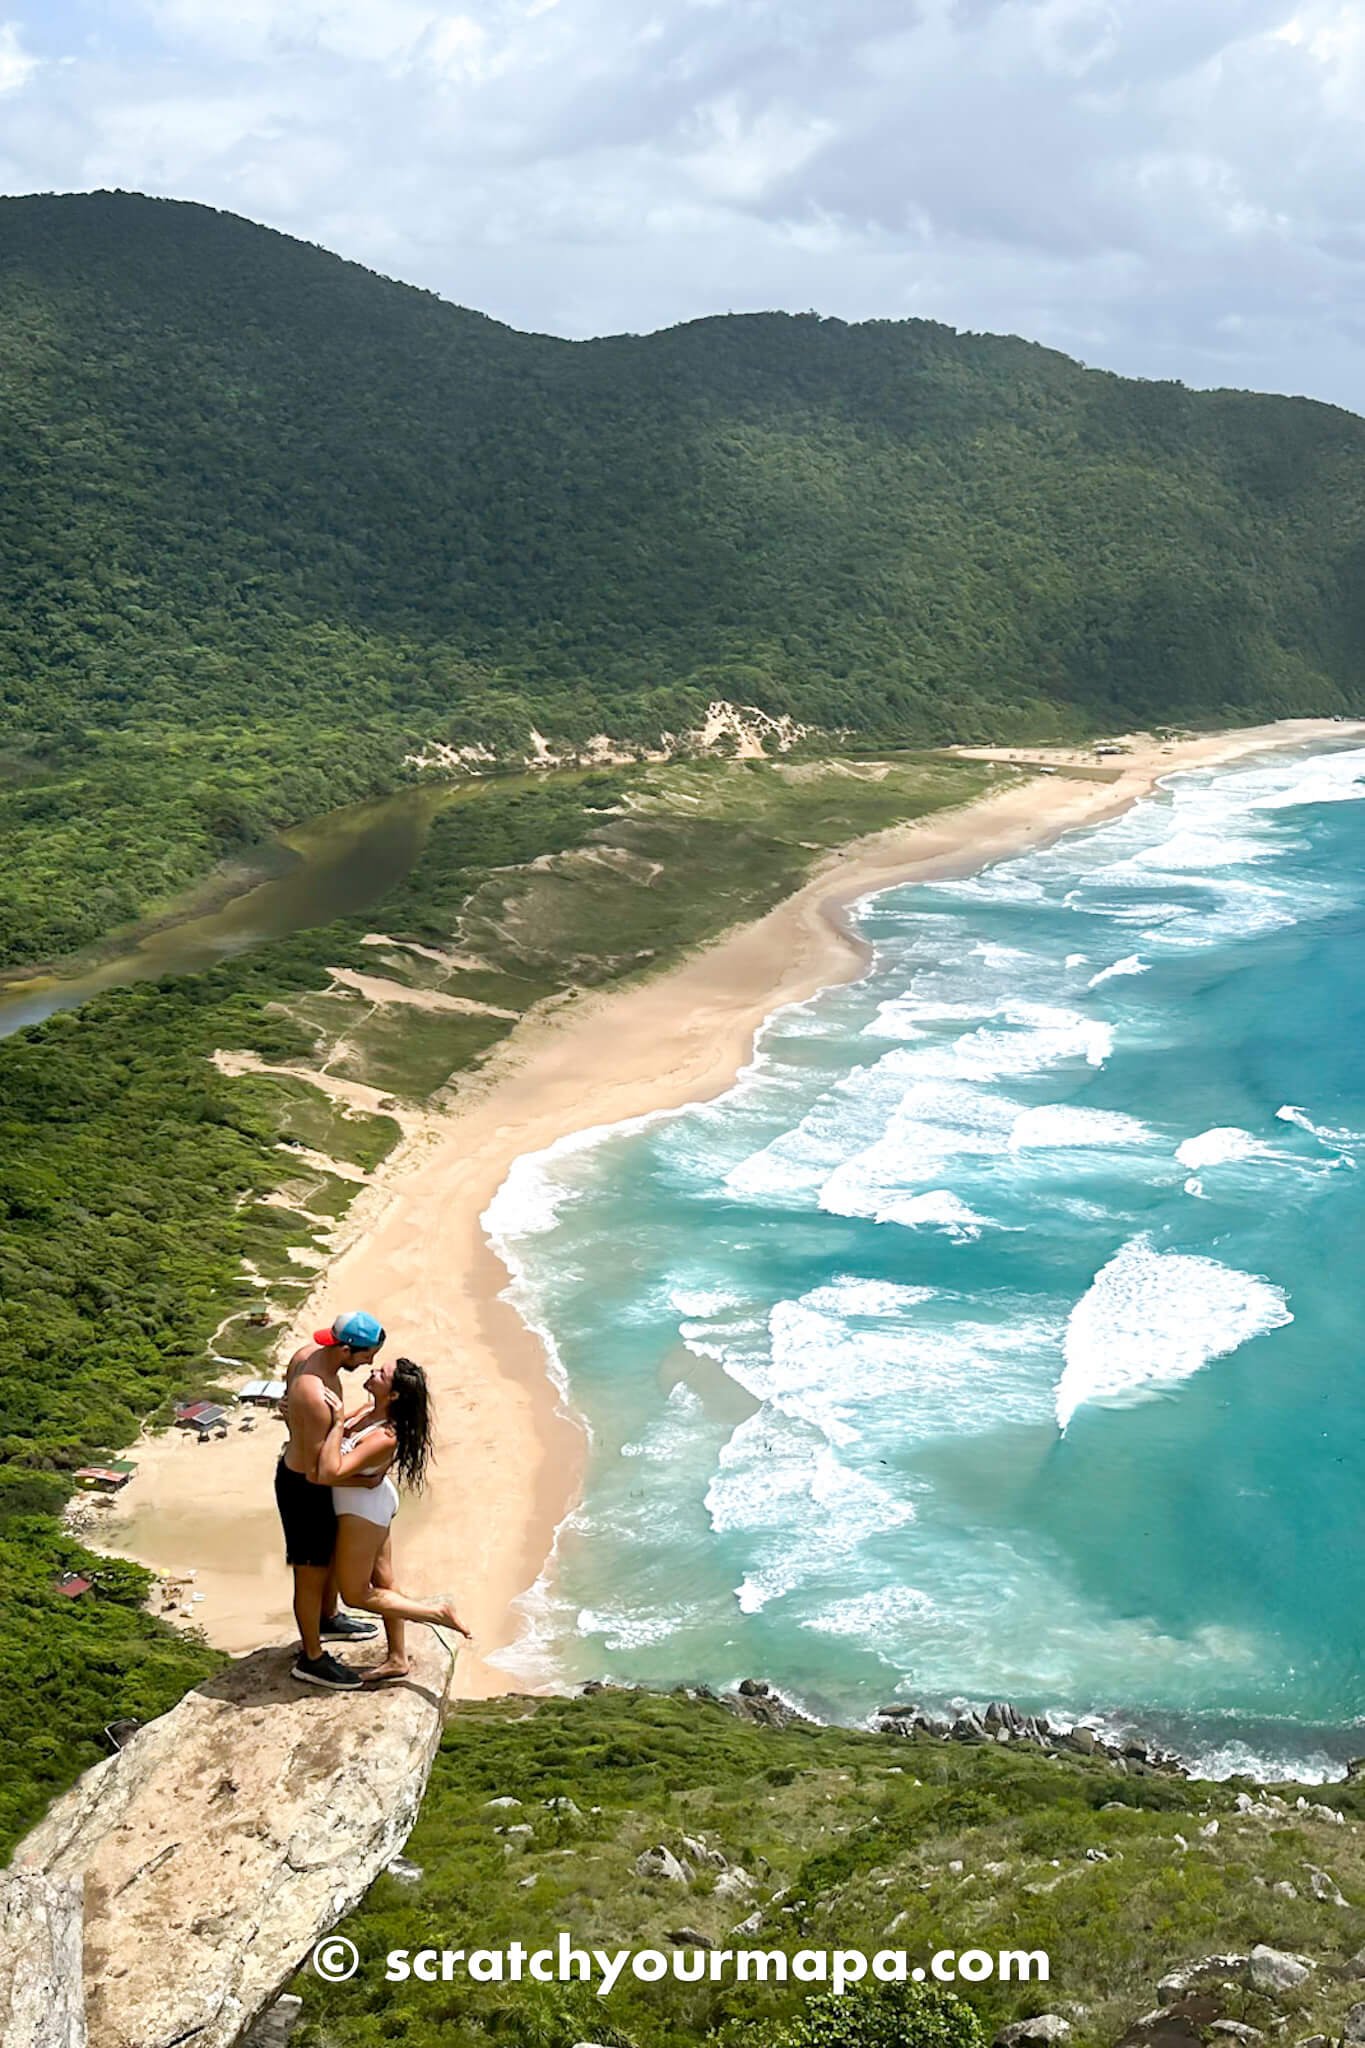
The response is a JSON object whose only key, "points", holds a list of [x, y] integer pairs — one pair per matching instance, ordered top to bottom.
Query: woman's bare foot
{"points": [[452, 1620], [392, 1667]]}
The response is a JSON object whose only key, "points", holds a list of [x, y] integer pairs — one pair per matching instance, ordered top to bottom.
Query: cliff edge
{"points": [[213, 1851]]}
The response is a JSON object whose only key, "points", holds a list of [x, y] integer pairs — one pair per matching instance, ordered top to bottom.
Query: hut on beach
{"points": [[263, 1393], [201, 1418], [105, 1478]]}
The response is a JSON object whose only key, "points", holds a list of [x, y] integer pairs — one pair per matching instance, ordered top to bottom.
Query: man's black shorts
{"points": [[310, 1523]]}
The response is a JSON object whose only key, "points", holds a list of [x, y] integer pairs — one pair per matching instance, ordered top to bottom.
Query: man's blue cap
{"points": [[355, 1328]]}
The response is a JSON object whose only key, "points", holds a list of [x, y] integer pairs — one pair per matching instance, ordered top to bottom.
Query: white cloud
{"points": [[16, 65], [1165, 188]]}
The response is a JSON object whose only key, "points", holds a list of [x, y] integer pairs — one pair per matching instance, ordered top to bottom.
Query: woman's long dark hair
{"points": [[410, 1414]]}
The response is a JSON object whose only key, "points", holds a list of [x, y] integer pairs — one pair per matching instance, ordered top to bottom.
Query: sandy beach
{"points": [[413, 1248]]}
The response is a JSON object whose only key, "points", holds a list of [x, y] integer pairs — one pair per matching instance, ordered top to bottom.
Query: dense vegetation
{"points": [[271, 520], [132, 1171], [848, 1840]]}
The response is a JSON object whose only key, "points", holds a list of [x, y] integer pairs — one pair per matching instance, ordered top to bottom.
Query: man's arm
{"points": [[311, 1409]]}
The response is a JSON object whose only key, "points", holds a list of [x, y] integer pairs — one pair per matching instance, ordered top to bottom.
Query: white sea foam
{"points": [[1321, 779], [1196, 852], [1003, 958], [1131, 965], [1042, 1036], [1289, 1113], [936, 1124], [1061, 1125], [1222, 1146], [938, 1209], [851, 1296], [703, 1301], [1150, 1319], [916, 1367], [674, 1431], [802, 1507], [885, 1618], [629, 1628], [1289, 1765]]}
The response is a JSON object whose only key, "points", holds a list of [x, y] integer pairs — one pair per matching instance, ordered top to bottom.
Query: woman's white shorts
{"points": [[377, 1504]]}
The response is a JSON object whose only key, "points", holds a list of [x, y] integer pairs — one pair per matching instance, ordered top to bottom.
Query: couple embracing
{"points": [[336, 1490]]}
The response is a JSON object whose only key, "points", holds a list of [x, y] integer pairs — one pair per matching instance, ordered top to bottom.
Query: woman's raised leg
{"points": [[358, 1546]]}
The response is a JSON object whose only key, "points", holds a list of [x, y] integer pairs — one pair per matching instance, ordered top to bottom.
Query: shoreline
{"points": [[413, 1245]]}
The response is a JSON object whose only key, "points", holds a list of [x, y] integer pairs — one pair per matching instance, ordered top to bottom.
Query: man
{"points": [[313, 1394]]}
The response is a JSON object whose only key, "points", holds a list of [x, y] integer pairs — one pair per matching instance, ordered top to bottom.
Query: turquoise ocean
{"points": [[1001, 1331]]}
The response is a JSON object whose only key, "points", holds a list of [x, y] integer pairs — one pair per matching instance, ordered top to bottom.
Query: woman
{"points": [[360, 1458]]}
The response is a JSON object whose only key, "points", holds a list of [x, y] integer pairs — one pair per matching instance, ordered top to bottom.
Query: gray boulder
{"points": [[228, 1836], [663, 1866], [1325, 1889], [1273, 1969], [1199, 1975], [42, 1992], [275, 2026], [1043, 2032]]}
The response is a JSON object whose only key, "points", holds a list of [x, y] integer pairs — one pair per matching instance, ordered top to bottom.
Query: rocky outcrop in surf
{"points": [[1003, 1722], [213, 1851]]}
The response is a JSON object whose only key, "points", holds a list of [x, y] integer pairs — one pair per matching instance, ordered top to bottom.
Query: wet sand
{"points": [[413, 1249]]}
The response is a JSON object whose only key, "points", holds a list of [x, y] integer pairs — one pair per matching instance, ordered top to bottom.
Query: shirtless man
{"points": [[313, 1397]]}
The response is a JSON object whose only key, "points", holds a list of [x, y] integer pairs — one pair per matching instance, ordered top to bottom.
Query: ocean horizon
{"points": [[994, 1335]]}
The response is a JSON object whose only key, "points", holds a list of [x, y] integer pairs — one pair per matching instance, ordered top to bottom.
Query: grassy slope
{"points": [[271, 520], [132, 1173], [859, 1835]]}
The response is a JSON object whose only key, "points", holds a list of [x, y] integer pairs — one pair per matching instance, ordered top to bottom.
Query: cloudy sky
{"points": [[1167, 187]]}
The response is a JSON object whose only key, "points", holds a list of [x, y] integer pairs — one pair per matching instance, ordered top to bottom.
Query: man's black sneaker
{"points": [[347, 1628], [326, 1672]]}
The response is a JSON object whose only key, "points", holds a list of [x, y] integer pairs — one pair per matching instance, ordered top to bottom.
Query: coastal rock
{"points": [[752, 1700], [968, 1728], [228, 1835], [701, 1852], [663, 1866], [735, 1883], [1325, 1889], [1356, 1966], [1273, 1969], [1196, 1976], [41, 1985], [1181, 2024], [275, 2026], [1353, 2026], [1236, 2030], [1043, 2032]]}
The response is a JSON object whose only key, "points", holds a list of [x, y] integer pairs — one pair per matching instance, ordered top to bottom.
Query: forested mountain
{"points": [[268, 518]]}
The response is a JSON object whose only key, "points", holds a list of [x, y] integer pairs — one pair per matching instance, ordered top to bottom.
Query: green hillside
{"points": [[271, 519], [542, 1814]]}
